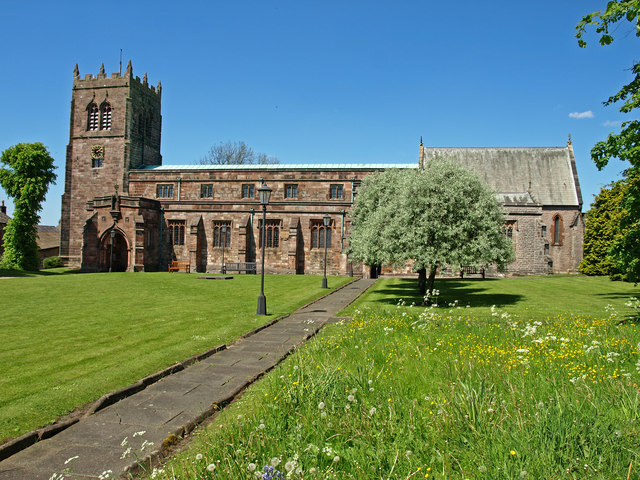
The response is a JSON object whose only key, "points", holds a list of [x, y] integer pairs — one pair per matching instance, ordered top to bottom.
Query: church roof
{"points": [[287, 166], [547, 173]]}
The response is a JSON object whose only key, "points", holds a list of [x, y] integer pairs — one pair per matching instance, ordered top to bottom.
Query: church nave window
{"points": [[176, 232], [271, 232], [221, 233], [320, 234]]}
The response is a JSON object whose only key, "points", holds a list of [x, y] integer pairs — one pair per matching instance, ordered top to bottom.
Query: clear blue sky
{"points": [[323, 81]]}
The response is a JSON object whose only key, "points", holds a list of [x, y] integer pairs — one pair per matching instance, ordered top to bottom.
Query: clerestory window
{"points": [[206, 190], [247, 190], [164, 191], [291, 191], [336, 191]]}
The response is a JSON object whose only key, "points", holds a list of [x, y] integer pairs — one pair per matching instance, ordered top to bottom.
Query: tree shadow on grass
{"points": [[39, 273], [466, 291], [617, 295]]}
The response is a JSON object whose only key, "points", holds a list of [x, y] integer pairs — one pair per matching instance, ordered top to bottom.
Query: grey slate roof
{"points": [[548, 173], [4, 218]]}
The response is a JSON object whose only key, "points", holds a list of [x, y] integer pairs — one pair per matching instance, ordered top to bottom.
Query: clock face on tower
{"points": [[97, 151]]}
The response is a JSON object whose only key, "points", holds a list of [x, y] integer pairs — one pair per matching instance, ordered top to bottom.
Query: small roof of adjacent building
{"points": [[548, 174], [48, 237]]}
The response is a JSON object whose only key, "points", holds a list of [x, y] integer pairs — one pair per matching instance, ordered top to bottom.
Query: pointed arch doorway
{"points": [[117, 261]]}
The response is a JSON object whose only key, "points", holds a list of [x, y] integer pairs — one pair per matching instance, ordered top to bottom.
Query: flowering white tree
{"points": [[442, 214]]}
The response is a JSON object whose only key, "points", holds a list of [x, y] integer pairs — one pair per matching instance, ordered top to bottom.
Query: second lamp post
{"points": [[264, 192], [326, 220], [224, 238]]}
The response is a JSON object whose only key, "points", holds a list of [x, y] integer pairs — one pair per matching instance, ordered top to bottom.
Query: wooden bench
{"points": [[177, 265], [248, 267], [469, 270]]}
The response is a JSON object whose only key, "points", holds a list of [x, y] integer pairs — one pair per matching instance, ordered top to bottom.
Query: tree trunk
{"points": [[432, 277], [422, 281]]}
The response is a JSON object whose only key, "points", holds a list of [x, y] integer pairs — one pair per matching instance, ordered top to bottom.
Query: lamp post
{"points": [[264, 192], [326, 220], [223, 229], [113, 236]]}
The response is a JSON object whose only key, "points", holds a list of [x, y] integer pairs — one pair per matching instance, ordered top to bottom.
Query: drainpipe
{"points": [[353, 182], [179, 187], [342, 213], [252, 241]]}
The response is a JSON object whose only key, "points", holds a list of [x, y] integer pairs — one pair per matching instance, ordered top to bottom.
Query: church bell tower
{"points": [[115, 126]]}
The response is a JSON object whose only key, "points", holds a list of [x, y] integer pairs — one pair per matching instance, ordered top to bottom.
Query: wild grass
{"points": [[67, 339], [440, 393]]}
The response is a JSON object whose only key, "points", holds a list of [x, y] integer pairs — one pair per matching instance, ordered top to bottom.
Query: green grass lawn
{"points": [[528, 297], [67, 338], [544, 386]]}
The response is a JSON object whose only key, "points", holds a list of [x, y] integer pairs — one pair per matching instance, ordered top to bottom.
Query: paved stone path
{"points": [[173, 405]]}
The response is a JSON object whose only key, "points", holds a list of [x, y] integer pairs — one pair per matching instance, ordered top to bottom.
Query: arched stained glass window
{"points": [[557, 230]]}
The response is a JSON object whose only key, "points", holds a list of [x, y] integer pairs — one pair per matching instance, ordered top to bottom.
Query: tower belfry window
{"points": [[93, 117], [105, 117]]}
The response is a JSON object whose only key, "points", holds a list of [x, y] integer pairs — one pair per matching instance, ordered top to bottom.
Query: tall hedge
{"points": [[602, 228]]}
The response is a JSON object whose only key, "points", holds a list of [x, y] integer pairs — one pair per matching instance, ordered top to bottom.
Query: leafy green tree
{"points": [[625, 145], [235, 153], [26, 175], [440, 215], [602, 228]]}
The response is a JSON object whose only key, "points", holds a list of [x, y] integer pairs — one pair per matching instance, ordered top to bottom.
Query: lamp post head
{"points": [[264, 193], [326, 219], [113, 234]]}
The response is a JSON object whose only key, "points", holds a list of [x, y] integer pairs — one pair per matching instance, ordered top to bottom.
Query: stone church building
{"points": [[122, 209]]}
